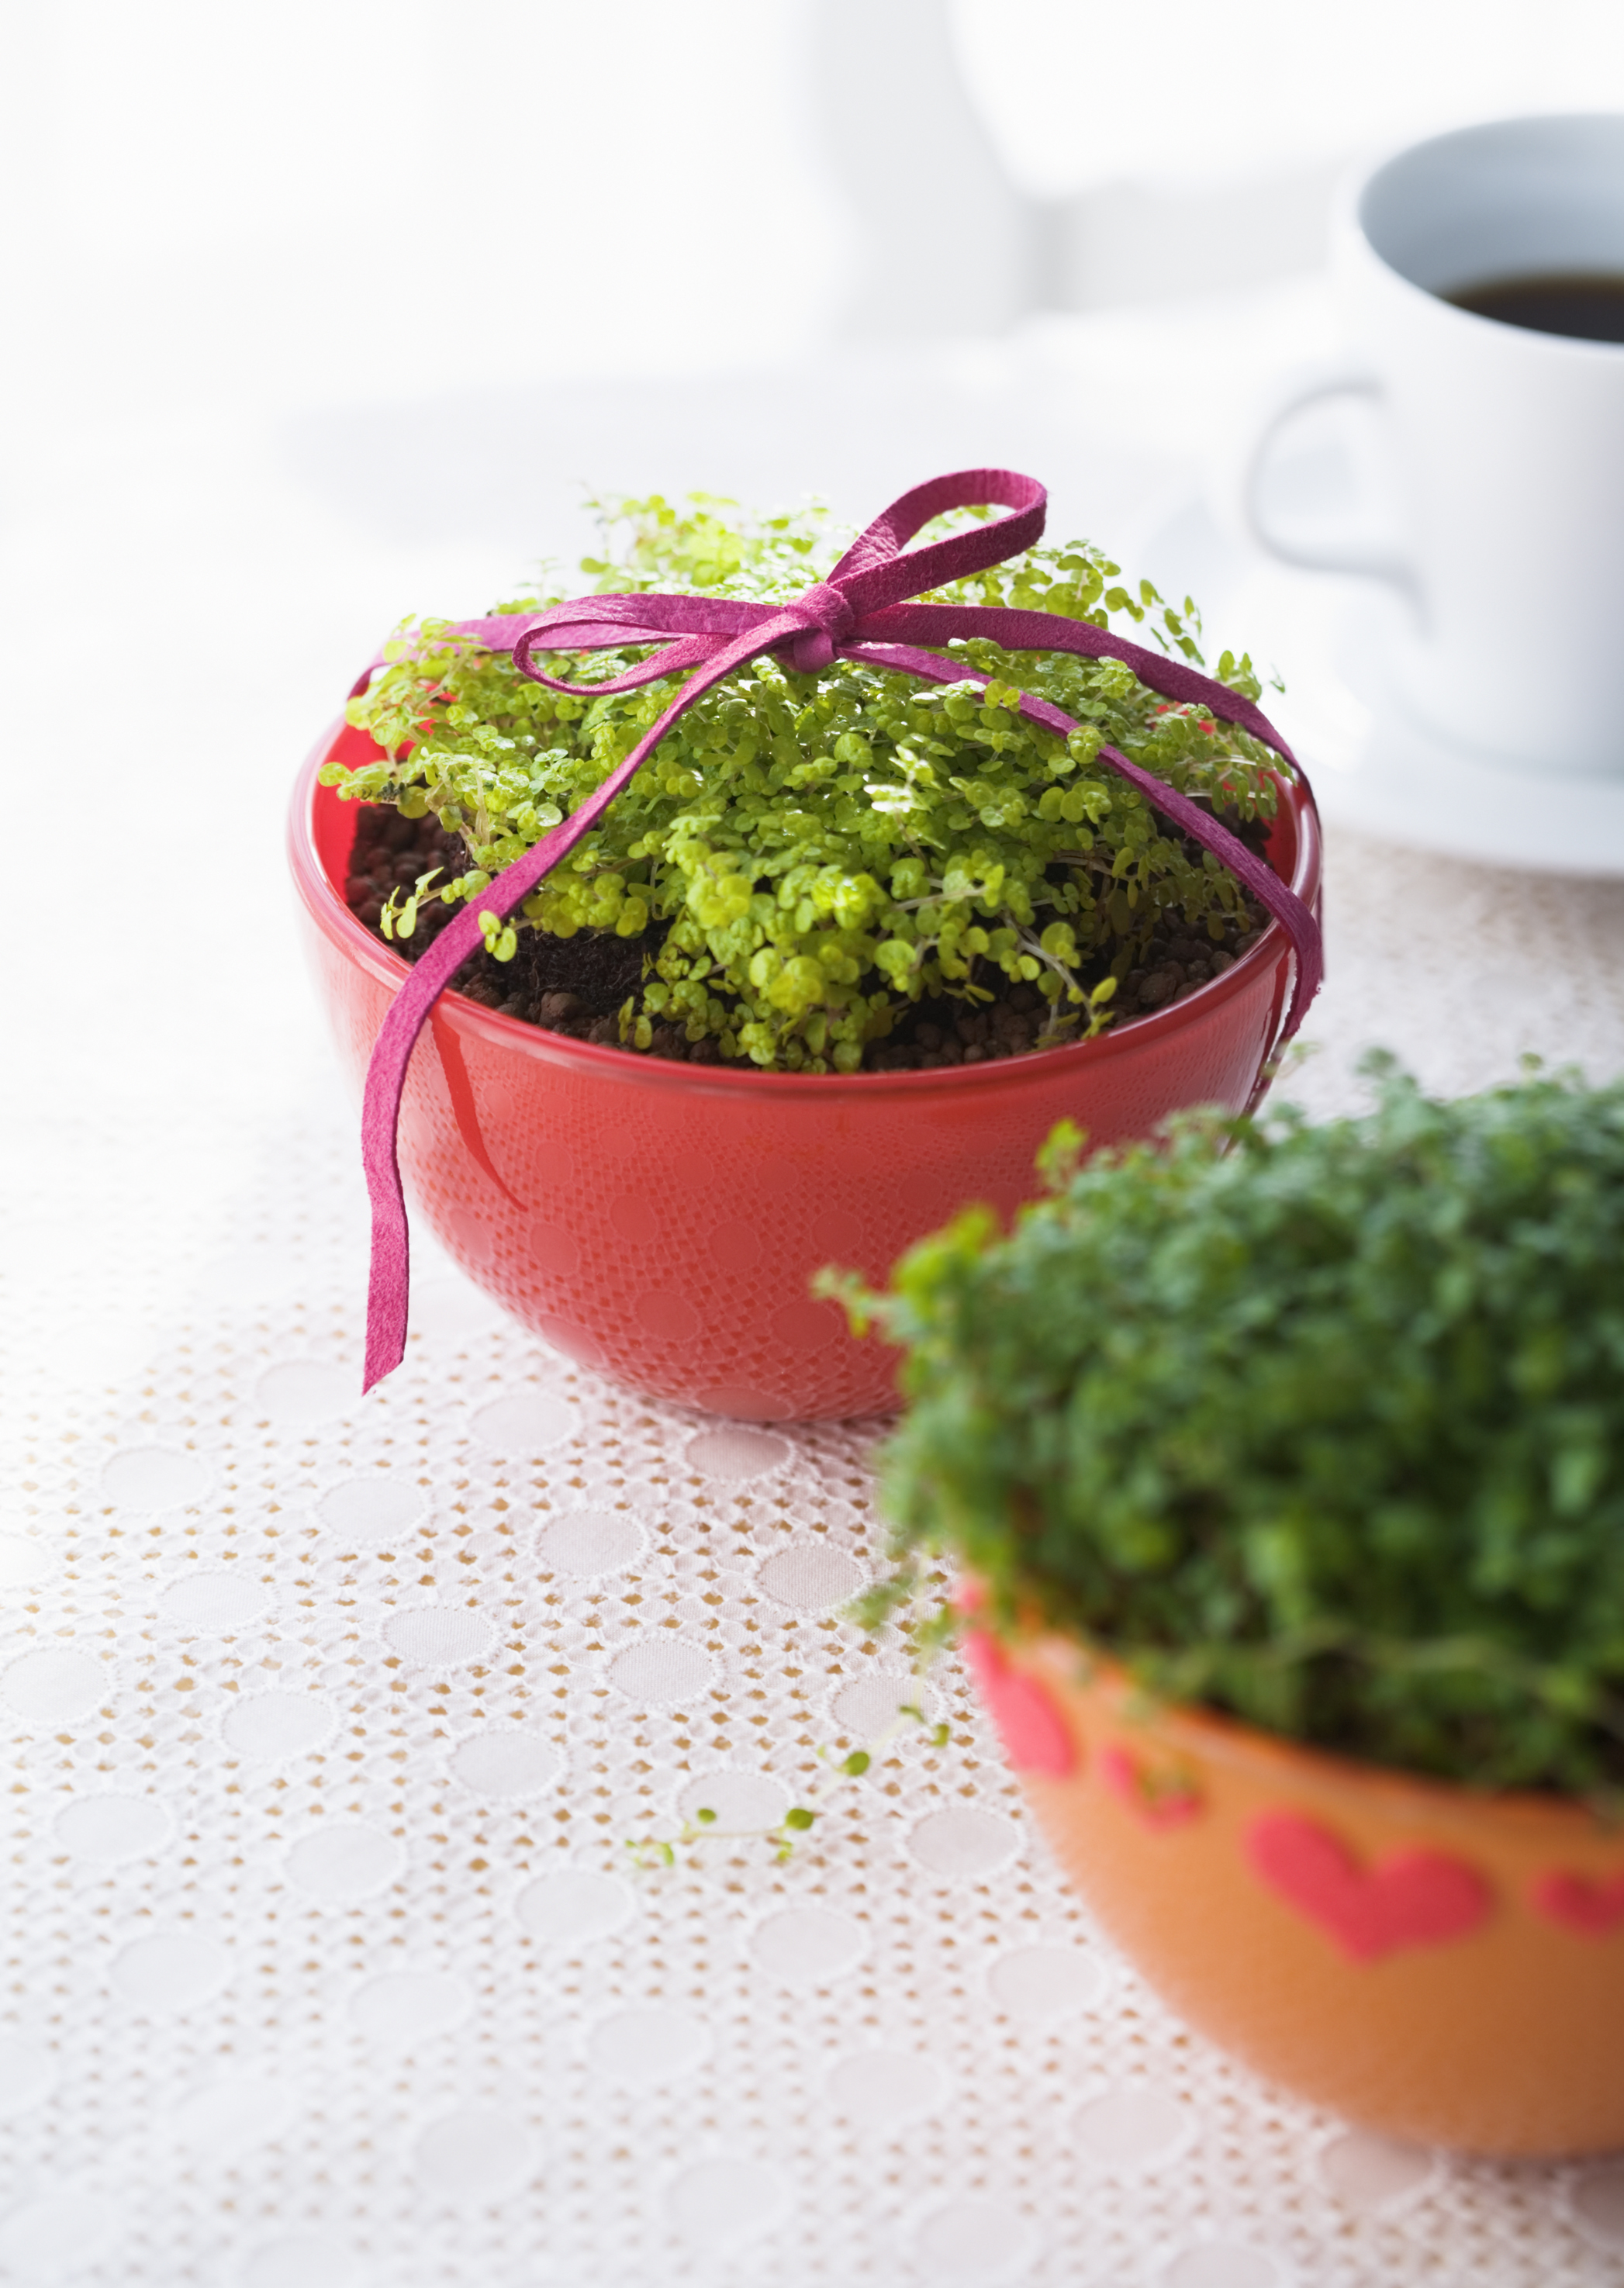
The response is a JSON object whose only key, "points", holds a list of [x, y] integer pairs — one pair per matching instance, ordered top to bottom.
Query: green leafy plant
{"points": [[808, 855], [1323, 1426]]}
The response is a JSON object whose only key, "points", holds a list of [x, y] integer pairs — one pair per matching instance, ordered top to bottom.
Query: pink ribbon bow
{"points": [[856, 612]]}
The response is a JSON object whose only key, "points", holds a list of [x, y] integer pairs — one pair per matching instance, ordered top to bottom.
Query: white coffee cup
{"points": [[1507, 445]]}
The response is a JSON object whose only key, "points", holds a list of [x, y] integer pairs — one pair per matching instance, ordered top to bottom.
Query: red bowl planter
{"points": [[661, 1222]]}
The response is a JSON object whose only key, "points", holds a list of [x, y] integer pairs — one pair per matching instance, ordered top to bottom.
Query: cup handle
{"points": [[1333, 552]]}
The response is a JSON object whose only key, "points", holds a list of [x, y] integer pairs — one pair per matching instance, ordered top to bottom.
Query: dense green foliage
{"points": [[807, 854], [1326, 1429]]}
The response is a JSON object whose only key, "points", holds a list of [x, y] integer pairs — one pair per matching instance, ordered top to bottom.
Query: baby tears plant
{"points": [[806, 856], [1321, 1425]]}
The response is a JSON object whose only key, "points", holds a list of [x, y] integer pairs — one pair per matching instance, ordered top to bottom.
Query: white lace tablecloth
{"points": [[328, 1720]]}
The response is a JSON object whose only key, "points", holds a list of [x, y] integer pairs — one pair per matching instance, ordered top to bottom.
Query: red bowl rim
{"points": [[334, 918]]}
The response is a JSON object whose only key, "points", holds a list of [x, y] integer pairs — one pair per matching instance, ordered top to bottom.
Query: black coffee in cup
{"points": [[1587, 304]]}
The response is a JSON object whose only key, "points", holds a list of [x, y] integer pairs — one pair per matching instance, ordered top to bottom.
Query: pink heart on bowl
{"points": [[1034, 1734], [1160, 1799], [1415, 1898], [1579, 1902]]}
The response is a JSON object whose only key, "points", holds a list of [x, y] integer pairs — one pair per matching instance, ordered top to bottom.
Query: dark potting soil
{"points": [[578, 985]]}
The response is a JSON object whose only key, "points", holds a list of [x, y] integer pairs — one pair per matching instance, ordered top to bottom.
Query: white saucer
{"points": [[1371, 767]]}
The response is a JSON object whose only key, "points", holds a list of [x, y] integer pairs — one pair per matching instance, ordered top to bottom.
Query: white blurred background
{"points": [[349, 199], [320, 313]]}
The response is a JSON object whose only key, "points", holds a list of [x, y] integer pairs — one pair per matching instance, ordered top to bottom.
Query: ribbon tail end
{"points": [[388, 1291], [386, 1308]]}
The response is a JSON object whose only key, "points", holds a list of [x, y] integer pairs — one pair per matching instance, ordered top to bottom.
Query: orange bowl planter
{"points": [[662, 1221], [1444, 1967]]}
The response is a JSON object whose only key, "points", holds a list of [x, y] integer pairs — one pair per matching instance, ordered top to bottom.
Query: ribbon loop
{"points": [[874, 572], [860, 612]]}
